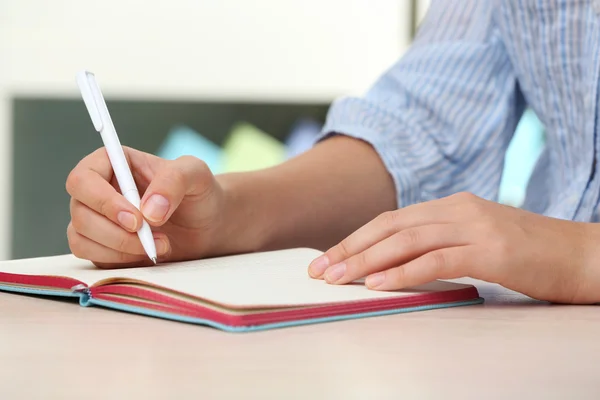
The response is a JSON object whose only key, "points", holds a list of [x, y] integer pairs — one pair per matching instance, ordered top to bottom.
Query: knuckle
{"points": [[100, 152], [196, 163], [176, 174], [198, 178], [73, 180], [467, 197], [72, 205], [104, 206], [478, 209], [472, 210], [77, 217], [389, 220], [487, 227], [70, 231], [408, 237], [74, 241], [123, 243], [343, 249], [438, 260], [447, 264], [399, 276]]}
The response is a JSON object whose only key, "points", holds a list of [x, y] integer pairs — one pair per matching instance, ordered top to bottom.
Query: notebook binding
{"points": [[81, 288]]}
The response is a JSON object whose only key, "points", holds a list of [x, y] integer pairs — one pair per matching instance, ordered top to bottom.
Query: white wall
{"points": [[309, 50]]}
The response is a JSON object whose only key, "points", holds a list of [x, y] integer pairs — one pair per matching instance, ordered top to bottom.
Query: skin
{"points": [[336, 197], [285, 206], [464, 235]]}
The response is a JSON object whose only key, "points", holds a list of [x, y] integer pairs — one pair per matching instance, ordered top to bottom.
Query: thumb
{"points": [[176, 179]]}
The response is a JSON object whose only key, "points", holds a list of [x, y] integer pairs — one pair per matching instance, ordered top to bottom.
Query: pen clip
{"points": [[92, 97]]}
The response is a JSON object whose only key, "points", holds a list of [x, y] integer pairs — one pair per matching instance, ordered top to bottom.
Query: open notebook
{"points": [[235, 293]]}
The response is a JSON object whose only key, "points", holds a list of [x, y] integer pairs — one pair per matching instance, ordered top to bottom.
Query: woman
{"points": [[400, 187]]}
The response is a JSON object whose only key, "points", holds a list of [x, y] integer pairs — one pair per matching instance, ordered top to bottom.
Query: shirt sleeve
{"points": [[442, 117]]}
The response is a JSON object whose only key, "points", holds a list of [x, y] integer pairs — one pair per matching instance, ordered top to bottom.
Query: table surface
{"points": [[511, 346]]}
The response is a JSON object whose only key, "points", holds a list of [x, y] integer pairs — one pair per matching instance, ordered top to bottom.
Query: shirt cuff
{"points": [[359, 119]]}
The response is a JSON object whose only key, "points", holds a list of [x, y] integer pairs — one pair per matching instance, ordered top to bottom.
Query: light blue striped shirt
{"points": [[442, 117]]}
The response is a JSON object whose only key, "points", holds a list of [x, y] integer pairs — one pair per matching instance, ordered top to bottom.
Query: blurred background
{"points": [[242, 84]]}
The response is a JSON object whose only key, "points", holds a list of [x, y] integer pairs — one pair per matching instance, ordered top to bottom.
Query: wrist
{"points": [[240, 227]]}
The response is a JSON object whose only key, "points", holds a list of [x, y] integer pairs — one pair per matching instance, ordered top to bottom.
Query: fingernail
{"points": [[155, 208], [127, 220], [161, 246], [318, 266], [334, 273], [375, 280]]}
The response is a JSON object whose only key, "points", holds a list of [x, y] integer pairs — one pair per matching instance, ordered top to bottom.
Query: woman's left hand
{"points": [[466, 236]]}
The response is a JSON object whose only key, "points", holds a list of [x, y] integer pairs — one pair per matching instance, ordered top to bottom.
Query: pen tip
{"points": [[154, 260]]}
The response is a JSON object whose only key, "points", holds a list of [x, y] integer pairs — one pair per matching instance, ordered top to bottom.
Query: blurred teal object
{"points": [[184, 141], [521, 156]]}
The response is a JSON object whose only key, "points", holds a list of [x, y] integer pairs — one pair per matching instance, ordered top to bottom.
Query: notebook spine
{"points": [[81, 288], [84, 292]]}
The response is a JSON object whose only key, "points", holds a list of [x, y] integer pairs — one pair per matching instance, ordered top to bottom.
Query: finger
{"points": [[98, 162], [141, 164], [143, 167], [186, 176], [90, 188], [383, 226], [97, 228], [87, 249], [395, 250], [447, 263]]}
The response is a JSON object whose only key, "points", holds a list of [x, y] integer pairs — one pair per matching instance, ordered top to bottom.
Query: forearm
{"points": [[313, 200]]}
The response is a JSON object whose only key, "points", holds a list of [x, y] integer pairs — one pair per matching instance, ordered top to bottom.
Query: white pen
{"points": [[96, 106]]}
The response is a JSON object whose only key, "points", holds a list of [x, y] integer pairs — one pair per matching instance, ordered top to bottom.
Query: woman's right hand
{"points": [[180, 199], [313, 200]]}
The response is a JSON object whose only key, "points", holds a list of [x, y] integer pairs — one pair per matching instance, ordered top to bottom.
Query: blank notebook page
{"points": [[278, 278]]}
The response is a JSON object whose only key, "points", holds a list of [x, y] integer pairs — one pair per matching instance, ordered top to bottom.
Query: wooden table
{"points": [[510, 347]]}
